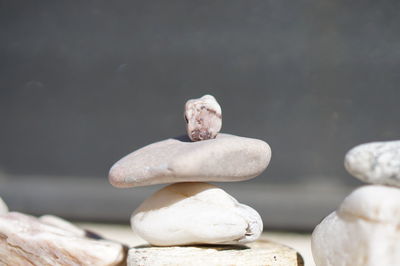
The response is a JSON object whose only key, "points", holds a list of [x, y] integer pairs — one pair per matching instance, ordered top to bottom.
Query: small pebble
{"points": [[203, 118]]}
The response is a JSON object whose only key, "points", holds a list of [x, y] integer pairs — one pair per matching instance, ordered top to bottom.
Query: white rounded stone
{"points": [[203, 118], [226, 158], [375, 162], [374, 203], [3, 207], [195, 213], [364, 231]]}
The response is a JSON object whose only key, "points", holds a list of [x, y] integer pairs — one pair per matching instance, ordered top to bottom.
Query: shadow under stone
{"points": [[183, 138], [203, 246], [300, 261]]}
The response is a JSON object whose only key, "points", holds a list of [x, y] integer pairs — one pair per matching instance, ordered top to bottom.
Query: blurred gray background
{"points": [[82, 83]]}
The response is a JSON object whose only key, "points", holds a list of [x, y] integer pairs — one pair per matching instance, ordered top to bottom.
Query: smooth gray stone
{"points": [[226, 158], [375, 162]]}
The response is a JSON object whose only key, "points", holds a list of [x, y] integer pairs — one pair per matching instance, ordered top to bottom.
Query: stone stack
{"points": [[190, 211], [365, 229]]}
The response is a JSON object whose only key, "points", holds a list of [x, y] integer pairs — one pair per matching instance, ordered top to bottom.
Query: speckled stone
{"points": [[203, 118], [226, 158], [375, 162]]}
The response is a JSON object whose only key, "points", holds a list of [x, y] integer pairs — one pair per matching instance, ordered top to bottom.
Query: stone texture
{"points": [[203, 118], [225, 158], [376, 162], [3, 207], [195, 213], [62, 224], [364, 231], [26, 240], [259, 253]]}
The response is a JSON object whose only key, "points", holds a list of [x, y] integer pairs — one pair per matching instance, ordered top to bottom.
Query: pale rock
{"points": [[203, 118], [226, 158], [375, 162], [3, 207], [195, 213], [62, 224], [364, 231], [26, 240], [258, 253]]}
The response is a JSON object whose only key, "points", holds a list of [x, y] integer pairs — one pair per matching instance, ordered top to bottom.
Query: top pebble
{"points": [[203, 118]]}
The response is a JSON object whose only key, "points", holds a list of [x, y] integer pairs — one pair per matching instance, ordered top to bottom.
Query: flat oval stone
{"points": [[226, 158], [375, 162], [195, 213]]}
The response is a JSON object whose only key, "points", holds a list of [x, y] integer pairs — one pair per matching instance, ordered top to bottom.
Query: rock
{"points": [[203, 118], [223, 159], [375, 162], [373, 203], [3, 207], [195, 213], [62, 224], [364, 231], [26, 240], [259, 253]]}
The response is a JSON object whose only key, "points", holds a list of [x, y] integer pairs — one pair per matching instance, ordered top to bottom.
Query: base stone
{"points": [[259, 253]]}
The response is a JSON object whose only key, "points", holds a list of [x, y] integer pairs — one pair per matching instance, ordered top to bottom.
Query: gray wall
{"points": [[82, 83]]}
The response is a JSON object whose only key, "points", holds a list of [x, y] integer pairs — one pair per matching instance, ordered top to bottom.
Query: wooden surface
{"points": [[124, 234], [260, 253]]}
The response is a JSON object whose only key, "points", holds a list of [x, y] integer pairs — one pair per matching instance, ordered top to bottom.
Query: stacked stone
{"points": [[191, 211], [365, 229]]}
